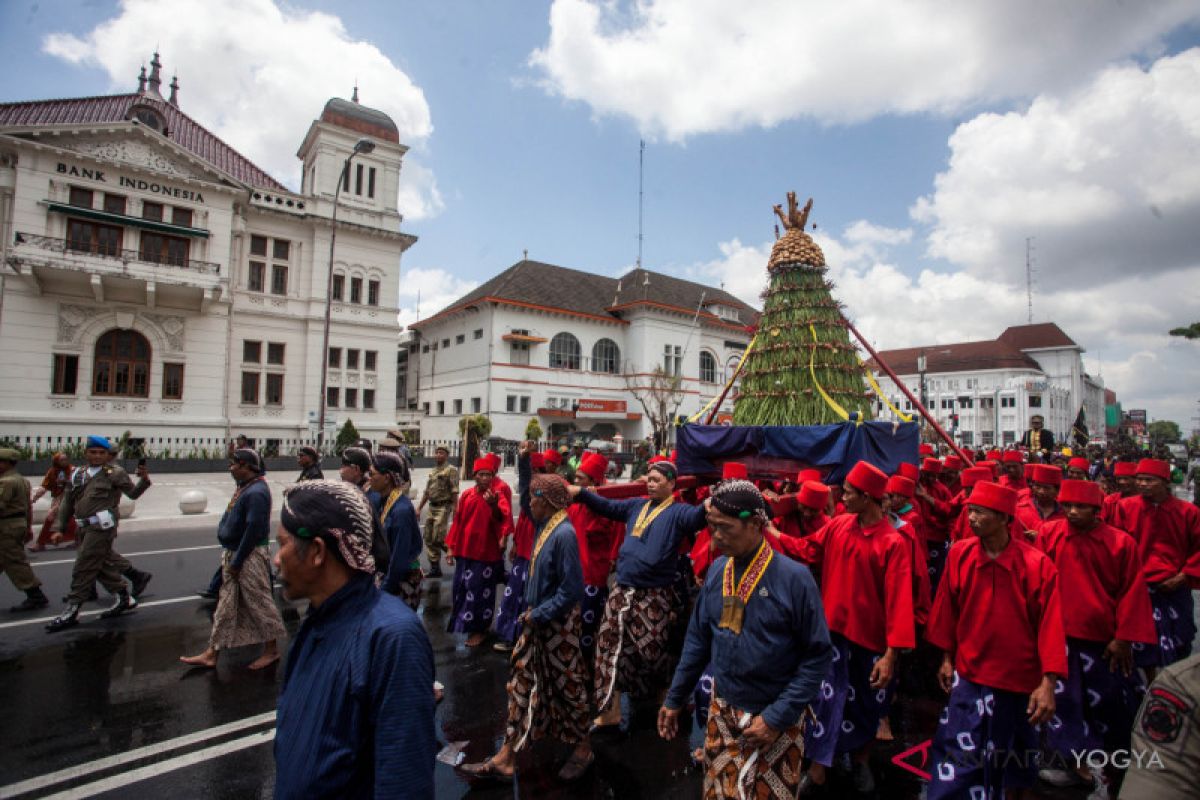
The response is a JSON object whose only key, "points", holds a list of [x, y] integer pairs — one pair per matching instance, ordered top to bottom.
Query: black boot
{"points": [[139, 580], [35, 598], [123, 603], [68, 618]]}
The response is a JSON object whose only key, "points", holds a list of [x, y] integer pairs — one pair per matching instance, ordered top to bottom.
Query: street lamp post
{"points": [[361, 146]]}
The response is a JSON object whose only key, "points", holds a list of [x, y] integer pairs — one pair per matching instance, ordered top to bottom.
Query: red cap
{"points": [[925, 450], [994, 455], [552, 456], [1013, 457], [657, 459], [494, 460], [537, 460], [953, 463], [1079, 463], [483, 464], [991, 464], [593, 465], [931, 465], [1154, 468], [1124, 469], [733, 470], [908, 470], [1027, 471], [1045, 473], [809, 475], [973, 475], [868, 479], [898, 484], [1083, 492], [813, 494], [994, 496]]}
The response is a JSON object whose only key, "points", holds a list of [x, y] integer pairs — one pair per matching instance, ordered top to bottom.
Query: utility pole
{"points": [[1029, 276]]}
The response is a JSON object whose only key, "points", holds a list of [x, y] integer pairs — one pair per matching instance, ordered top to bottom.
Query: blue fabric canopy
{"points": [[785, 450]]}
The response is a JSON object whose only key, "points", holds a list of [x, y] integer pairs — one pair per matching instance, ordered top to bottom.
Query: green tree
{"points": [[1188, 332], [801, 335], [474, 429], [1164, 430], [533, 431], [346, 437]]}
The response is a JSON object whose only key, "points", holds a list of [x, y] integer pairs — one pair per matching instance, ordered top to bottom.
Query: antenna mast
{"points": [[641, 168], [1029, 276]]}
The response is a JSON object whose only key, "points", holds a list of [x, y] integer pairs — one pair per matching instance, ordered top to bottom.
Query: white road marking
{"points": [[132, 555], [150, 604], [128, 757], [161, 767]]}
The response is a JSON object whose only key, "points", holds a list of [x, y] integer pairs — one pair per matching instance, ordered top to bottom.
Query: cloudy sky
{"points": [[935, 138]]}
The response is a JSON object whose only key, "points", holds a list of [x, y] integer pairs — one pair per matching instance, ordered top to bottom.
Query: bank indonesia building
{"points": [[156, 281]]}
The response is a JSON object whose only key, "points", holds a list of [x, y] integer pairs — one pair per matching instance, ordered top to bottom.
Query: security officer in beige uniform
{"points": [[441, 492], [93, 498], [14, 525], [1165, 753]]}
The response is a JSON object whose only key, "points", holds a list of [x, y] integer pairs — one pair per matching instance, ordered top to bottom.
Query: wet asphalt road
{"points": [[73, 701]]}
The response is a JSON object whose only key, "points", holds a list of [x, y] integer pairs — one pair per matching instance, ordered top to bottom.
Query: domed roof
{"points": [[356, 117]]}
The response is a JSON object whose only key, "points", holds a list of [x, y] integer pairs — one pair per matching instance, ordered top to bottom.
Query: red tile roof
{"points": [[181, 129], [1036, 337], [959, 357]]}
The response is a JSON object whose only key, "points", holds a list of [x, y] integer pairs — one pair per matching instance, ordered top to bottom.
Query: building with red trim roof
{"points": [[157, 281]]}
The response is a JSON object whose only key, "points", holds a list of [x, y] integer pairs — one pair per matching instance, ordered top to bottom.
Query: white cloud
{"points": [[684, 67], [255, 73], [1107, 178], [419, 195], [426, 291], [1122, 324]]}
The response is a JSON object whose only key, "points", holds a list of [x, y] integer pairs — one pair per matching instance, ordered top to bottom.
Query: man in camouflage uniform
{"points": [[641, 461], [441, 492], [93, 499], [14, 525], [1166, 736]]}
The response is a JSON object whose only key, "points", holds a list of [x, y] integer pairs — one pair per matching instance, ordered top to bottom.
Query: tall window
{"points": [[371, 182], [90, 237], [162, 249], [280, 252], [279, 279], [256, 282], [339, 287], [356, 290], [372, 293], [251, 351], [275, 351], [565, 352], [335, 357], [369, 357], [606, 357], [351, 358], [672, 359], [121, 365], [708, 367], [65, 374], [172, 382], [250, 388], [274, 389], [331, 396], [351, 398], [368, 399]]}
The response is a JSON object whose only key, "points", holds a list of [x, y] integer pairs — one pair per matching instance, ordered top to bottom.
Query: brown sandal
{"points": [[576, 767], [485, 770]]}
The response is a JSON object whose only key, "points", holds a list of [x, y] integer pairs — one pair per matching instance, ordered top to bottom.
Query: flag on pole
{"points": [[1079, 431]]}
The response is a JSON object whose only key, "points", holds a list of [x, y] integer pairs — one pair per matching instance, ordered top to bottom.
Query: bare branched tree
{"points": [[660, 394]]}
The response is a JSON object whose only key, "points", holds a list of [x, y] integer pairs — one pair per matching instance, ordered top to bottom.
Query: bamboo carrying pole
{"points": [[904, 389]]}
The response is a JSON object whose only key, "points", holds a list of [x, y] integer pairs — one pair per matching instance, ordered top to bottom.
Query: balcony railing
{"points": [[104, 251]]}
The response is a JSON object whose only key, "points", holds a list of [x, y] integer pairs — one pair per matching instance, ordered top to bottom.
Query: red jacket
{"points": [[938, 514], [1030, 515], [478, 526], [1168, 537], [599, 540], [1100, 576], [866, 581], [922, 592], [1000, 617]]}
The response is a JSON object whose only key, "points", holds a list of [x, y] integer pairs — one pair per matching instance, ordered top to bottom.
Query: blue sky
{"points": [[933, 138]]}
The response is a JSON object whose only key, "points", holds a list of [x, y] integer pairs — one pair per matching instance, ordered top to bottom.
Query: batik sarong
{"points": [[409, 589], [474, 594], [512, 601], [246, 612], [1175, 622], [631, 648], [548, 685], [1094, 706], [847, 709], [983, 744], [735, 770]]}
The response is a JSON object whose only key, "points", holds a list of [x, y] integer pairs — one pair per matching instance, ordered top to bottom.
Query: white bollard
{"points": [[193, 501]]}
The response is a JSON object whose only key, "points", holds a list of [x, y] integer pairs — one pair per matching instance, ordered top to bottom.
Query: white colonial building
{"points": [[156, 281], [574, 349], [985, 392]]}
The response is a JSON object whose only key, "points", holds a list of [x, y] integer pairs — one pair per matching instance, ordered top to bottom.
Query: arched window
{"points": [[565, 352], [606, 357], [121, 364], [708, 367]]}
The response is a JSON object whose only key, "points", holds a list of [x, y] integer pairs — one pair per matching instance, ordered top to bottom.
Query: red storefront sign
{"points": [[600, 409]]}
